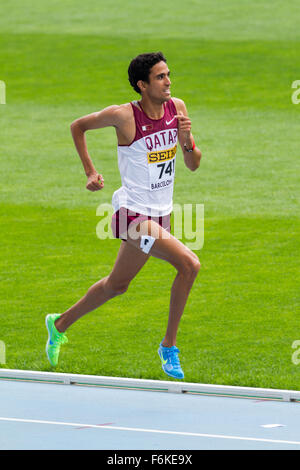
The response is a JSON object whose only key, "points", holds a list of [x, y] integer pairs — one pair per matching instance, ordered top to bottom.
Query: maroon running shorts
{"points": [[124, 217]]}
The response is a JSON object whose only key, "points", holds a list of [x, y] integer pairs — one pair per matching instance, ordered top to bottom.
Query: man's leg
{"points": [[128, 263], [187, 264]]}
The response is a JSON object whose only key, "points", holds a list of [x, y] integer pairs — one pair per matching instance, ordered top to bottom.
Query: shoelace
{"points": [[61, 339], [172, 355]]}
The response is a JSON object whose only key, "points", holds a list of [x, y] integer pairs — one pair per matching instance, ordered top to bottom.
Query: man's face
{"points": [[158, 88]]}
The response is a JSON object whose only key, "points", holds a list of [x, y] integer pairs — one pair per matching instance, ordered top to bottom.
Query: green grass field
{"points": [[233, 62]]}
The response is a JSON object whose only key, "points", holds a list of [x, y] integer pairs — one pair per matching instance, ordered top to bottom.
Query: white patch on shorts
{"points": [[146, 243]]}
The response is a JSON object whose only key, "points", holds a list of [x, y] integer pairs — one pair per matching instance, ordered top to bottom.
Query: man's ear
{"points": [[141, 85]]}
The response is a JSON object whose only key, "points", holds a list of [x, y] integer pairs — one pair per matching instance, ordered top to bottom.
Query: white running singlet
{"points": [[147, 165]]}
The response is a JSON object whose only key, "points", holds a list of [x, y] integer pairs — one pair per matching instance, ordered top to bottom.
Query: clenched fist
{"points": [[184, 126], [95, 182]]}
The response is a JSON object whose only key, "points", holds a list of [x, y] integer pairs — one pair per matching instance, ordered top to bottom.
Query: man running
{"points": [[147, 133]]}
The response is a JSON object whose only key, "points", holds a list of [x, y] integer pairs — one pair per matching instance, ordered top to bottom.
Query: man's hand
{"points": [[184, 128], [95, 182]]}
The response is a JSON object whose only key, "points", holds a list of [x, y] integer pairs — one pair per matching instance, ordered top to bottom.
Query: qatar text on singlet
{"points": [[147, 165]]}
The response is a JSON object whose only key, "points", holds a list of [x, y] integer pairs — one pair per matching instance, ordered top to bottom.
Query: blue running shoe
{"points": [[170, 361]]}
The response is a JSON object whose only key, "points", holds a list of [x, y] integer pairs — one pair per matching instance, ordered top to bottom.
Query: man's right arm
{"points": [[111, 116]]}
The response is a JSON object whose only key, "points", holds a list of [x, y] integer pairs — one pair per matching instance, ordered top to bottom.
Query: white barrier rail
{"points": [[150, 385]]}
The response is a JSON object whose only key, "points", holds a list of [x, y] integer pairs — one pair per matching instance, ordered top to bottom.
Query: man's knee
{"points": [[190, 266], [116, 287]]}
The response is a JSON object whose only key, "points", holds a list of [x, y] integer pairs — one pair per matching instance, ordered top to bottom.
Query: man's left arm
{"points": [[191, 153]]}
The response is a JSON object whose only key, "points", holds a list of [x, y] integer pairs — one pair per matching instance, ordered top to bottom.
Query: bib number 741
{"points": [[167, 168], [162, 174]]}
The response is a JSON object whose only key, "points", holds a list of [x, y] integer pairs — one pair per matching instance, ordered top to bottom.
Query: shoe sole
{"points": [[46, 321]]}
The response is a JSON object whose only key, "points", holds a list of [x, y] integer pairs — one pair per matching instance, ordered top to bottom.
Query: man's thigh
{"points": [[163, 245], [129, 262]]}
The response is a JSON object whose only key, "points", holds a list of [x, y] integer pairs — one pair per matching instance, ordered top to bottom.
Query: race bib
{"points": [[161, 165]]}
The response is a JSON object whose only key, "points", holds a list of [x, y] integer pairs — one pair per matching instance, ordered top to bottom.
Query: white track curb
{"points": [[150, 385]]}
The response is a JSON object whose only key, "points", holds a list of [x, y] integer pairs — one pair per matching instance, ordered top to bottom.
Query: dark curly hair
{"points": [[139, 68]]}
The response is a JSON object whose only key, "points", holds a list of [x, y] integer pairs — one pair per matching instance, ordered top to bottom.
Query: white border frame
{"points": [[150, 385]]}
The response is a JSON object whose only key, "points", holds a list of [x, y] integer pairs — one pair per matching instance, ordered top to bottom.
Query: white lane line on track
{"points": [[158, 431]]}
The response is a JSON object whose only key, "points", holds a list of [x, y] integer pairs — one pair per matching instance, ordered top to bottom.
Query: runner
{"points": [[147, 133]]}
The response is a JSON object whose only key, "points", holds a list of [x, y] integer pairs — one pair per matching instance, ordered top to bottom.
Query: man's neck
{"points": [[152, 109]]}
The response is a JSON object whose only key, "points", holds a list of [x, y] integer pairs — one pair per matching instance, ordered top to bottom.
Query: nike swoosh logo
{"points": [[169, 122], [50, 337], [164, 361]]}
